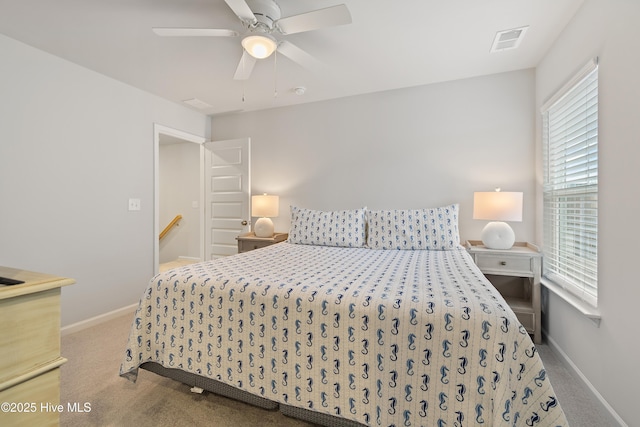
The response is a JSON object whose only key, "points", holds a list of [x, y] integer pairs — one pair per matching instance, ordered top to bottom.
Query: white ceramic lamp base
{"points": [[263, 227], [498, 235]]}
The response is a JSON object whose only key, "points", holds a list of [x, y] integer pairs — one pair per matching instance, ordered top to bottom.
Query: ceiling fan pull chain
{"points": [[242, 59], [275, 73]]}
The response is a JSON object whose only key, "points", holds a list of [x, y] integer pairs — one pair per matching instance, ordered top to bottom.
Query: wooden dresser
{"points": [[30, 348]]}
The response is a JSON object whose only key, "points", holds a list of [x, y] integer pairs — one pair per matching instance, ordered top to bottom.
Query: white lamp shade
{"points": [[260, 46], [264, 206], [497, 206]]}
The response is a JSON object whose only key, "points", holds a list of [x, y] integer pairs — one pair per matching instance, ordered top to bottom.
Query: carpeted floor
{"points": [[91, 376]]}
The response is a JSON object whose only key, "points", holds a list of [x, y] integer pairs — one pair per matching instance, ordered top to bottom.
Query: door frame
{"points": [[189, 137]]}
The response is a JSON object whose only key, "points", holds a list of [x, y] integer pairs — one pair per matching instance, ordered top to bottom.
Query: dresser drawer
{"points": [[248, 242], [250, 245], [497, 264], [31, 332], [30, 395]]}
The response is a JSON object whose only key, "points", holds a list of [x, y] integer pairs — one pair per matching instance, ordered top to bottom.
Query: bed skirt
{"points": [[225, 390]]}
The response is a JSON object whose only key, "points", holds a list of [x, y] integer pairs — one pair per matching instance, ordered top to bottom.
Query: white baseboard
{"points": [[84, 324], [570, 365]]}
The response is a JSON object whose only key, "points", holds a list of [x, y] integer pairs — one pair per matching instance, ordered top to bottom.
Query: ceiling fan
{"points": [[262, 18]]}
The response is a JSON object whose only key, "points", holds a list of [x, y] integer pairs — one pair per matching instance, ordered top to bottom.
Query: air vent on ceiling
{"points": [[508, 39], [195, 102]]}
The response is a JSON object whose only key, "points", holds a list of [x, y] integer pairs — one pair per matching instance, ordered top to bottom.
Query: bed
{"points": [[353, 321]]}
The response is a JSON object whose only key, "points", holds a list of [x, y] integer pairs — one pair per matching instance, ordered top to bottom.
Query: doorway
{"points": [[178, 182]]}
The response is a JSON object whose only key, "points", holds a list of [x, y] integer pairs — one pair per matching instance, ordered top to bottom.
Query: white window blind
{"points": [[570, 156]]}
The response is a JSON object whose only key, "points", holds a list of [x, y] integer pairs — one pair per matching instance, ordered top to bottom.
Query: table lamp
{"points": [[265, 207], [498, 207]]}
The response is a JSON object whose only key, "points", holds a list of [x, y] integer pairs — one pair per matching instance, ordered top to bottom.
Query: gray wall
{"points": [[74, 147], [411, 148], [607, 356]]}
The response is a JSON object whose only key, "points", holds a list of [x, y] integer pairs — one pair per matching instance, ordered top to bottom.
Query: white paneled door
{"points": [[227, 195]]}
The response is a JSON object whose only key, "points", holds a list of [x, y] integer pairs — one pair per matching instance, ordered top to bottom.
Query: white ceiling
{"points": [[389, 45]]}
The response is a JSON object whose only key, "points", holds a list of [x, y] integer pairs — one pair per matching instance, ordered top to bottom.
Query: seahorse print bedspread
{"points": [[382, 337]]}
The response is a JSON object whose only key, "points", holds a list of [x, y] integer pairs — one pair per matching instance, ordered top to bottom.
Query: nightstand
{"points": [[248, 242], [523, 262]]}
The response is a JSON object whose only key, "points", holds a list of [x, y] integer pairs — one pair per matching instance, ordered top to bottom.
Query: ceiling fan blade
{"points": [[242, 9], [329, 17], [194, 32], [299, 56], [245, 66]]}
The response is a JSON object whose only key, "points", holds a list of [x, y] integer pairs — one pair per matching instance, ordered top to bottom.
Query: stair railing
{"points": [[173, 223]]}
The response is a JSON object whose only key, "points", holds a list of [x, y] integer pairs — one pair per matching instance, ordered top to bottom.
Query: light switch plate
{"points": [[134, 204]]}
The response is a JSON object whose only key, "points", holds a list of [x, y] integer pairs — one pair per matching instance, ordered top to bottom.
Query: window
{"points": [[570, 201]]}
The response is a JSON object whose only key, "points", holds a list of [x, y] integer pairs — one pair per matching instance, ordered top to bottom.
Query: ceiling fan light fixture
{"points": [[259, 46]]}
